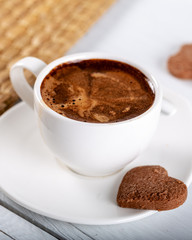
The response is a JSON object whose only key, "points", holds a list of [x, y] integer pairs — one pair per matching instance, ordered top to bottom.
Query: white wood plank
{"points": [[18, 228], [58, 229], [4, 236]]}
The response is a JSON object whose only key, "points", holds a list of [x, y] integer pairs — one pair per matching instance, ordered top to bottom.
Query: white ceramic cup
{"points": [[93, 149]]}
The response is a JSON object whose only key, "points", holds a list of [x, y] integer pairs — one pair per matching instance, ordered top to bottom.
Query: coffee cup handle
{"points": [[20, 84], [168, 108]]}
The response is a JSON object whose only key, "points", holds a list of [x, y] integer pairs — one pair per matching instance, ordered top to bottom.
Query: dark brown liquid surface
{"points": [[97, 90]]}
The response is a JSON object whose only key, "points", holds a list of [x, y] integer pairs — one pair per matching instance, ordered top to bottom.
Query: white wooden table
{"points": [[142, 31], [19, 223]]}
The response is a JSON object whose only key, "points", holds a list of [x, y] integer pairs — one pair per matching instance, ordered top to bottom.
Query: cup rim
{"points": [[95, 55]]}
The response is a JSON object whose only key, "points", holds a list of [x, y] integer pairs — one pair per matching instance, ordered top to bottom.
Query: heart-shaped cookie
{"points": [[180, 65], [150, 187]]}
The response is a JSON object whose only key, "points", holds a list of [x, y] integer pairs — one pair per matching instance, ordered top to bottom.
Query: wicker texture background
{"points": [[41, 28]]}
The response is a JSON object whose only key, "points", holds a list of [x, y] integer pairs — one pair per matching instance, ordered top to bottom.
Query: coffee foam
{"points": [[95, 93]]}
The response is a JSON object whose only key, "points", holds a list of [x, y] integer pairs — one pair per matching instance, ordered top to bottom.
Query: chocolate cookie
{"points": [[180, 65], [150, 187]]}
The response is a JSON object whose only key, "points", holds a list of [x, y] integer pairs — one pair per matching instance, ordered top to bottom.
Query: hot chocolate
{"points": [[97, 90]]}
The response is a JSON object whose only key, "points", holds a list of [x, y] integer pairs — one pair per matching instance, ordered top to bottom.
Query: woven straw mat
{"points": [[45, 29]]}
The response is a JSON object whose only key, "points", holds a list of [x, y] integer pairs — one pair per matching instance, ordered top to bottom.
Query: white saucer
{"points": [[33, 178]]}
